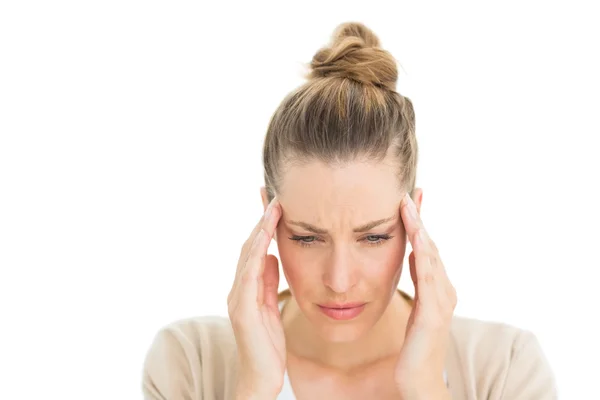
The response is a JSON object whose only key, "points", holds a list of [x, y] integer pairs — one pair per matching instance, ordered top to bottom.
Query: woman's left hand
{"points": [[419, 373]]}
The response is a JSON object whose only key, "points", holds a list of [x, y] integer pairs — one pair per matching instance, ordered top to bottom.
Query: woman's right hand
{"points": [[254, 313]]}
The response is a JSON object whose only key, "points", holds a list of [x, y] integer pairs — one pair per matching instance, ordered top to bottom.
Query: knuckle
{"points": [[418, 233], [245, 247], [256, 257], [427, 276], [245, 278], [232, 296], [453, 296], [232, 299], [231, 311], [235, 323]]}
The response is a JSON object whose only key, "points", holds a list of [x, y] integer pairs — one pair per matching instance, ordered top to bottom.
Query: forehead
{"points": [[367, 188]]}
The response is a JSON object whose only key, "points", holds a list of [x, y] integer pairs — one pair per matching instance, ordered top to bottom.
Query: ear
{"points": [[418, 198]]}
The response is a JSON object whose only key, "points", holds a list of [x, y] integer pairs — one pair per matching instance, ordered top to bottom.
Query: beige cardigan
{"points": [[195, 359]]}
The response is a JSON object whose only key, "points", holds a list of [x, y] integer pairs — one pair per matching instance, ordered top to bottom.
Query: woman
{"points": [[340, 200]]}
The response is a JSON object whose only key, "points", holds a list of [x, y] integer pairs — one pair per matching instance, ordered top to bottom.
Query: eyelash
{"points": [[381, 239]]}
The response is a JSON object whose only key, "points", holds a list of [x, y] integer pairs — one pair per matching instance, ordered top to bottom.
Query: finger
{"points": [[412, 221], [269, 225], [257, 227], [251, 239], [420, 241], [412, 266], [253, 270], [423, 279], [270, 281], [248, 282], [432, 285], [447, 287], [435, 291], [432, 307]]}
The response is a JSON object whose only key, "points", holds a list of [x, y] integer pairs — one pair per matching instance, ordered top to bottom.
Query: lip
{"points": [[342, 305], [342, 311]]}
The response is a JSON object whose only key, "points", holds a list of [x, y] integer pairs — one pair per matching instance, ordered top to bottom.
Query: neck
{"points": [[383, 340]]}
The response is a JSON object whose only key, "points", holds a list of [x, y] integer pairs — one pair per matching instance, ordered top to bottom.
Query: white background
{"points": [[130, 167]]}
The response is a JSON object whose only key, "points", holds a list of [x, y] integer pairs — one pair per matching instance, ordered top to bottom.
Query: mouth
{"points": [[342, 311]]}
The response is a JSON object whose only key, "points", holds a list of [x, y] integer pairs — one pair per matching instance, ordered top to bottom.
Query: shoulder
{"points": [[485, 335], [190, 358], [502, 360]]}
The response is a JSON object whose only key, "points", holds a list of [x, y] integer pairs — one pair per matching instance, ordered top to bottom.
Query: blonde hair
{"points": [[348, 108]]}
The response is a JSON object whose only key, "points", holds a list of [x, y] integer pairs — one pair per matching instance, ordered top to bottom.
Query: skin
{"points": [[342, 265], [395, 349]]}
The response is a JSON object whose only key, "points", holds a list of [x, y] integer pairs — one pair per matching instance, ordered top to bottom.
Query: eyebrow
{"points": [[363, 228]]}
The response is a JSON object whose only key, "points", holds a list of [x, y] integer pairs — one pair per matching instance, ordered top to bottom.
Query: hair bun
{"points": [[354, 53]]}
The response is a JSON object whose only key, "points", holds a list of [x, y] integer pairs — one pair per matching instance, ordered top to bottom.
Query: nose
{"points": [[340, 273]]}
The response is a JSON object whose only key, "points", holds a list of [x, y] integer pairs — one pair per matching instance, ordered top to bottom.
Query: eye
{"points": [[376, 240], [305, 241]]}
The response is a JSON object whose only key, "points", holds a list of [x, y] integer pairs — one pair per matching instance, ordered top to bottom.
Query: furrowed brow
{"points": [[363, 228]]}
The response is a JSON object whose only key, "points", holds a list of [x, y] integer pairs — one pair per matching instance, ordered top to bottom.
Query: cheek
{"points": [[386, 265]]}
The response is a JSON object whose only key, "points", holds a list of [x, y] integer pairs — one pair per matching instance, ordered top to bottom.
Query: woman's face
{"points": [[341, 240]]}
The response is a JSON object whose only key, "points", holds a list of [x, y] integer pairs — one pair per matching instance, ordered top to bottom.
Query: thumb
{"points": [[271, 282]]}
